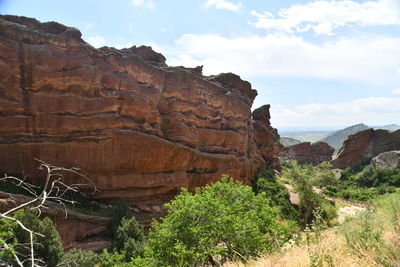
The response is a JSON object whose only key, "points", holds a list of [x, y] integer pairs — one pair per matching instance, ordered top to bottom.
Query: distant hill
{"points": [[387, 127], [305, 136], [333, 138], [336, 139], [287, 141]]}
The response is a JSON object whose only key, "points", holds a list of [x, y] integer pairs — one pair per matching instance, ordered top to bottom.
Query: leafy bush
{"points": [[324, 176], [374, 177], [302, 180], [366, 182], [267, 183], [357, 193], [121, 211], [219, 222], [7, 237], [130, 238], [47, 247], [78, 258], [112, 259]]}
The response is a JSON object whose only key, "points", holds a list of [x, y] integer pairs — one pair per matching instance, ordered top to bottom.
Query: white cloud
{"points": [[144, 3], [223, 4], [323, 17], [96, 41], [99, 41], [369, 59], [396, 91], [372, 111]]}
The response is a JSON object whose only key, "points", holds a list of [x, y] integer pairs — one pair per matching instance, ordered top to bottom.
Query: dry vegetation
{"points": [[370, 239]]}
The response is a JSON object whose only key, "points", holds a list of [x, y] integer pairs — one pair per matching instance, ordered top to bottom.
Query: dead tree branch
{"points": [[54, 189]]}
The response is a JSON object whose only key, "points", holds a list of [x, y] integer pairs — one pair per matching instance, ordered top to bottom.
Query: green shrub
{"points": [[323, 175], [303, 178], [267, 183], [357, 193], [120, 211], [219, 222], [7, 237], [130, 238], [47, 247], [78, 258], [112, 259]]}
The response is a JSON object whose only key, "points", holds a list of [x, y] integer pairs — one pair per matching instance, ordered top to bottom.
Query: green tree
{"points": [[302, 177], [266, 182], [121, 211], [219, 222], [130, 238], [47, 247]]}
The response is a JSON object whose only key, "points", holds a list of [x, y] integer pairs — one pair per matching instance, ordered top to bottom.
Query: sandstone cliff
{"points": [[138, 128], [365, 145], [306, 152]]}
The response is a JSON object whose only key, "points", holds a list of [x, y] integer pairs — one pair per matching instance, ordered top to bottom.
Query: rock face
{"points": [[138, 128], [366, 144], [307, 152], [387, 160]]}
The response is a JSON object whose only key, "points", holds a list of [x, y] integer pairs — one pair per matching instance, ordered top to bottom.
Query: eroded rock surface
{"points": [[138, 128], [365, 145], [307, 152], [387, 160]]}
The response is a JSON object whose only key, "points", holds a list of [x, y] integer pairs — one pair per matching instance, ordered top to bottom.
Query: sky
{"points": [[320, 64]]}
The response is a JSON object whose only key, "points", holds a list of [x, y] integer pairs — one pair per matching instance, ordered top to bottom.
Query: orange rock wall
{"points": [[138, 128], [365, 145], [307, 152]]}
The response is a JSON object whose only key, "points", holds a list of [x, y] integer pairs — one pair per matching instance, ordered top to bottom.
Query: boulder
{"points": [[136, 127], [365, 145], [306, 152], [387, 160]]}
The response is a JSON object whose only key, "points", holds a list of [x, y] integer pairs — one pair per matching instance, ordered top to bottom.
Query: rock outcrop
{"points": [[138, 128], [365, 145], [307, 152], [387, 160]]}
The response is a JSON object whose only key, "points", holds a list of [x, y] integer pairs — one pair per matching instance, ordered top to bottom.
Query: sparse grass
{"points": [[370, 239]]}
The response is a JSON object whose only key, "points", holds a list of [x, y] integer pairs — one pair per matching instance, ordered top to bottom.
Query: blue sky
{"points": [[318, 63]]}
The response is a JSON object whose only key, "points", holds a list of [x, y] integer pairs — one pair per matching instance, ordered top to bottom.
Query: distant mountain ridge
{"points": [[391, 127], [333, 138], [337, 138], [287, 141]]}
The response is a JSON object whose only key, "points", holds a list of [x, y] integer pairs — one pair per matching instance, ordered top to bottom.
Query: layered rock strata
{"points": [[138, 128], [365, 145], [306, 152]]}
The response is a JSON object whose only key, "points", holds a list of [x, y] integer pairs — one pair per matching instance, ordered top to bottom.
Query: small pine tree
{"points": [[130, 238], [48, 247]]}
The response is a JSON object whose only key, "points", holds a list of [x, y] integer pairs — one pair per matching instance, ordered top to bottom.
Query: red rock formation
{"points": [[138, 128], [266, 137], [366, 144], [306, 152]]}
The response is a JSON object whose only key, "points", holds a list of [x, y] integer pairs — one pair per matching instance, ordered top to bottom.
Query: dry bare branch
{"points": [[54, 190]]}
